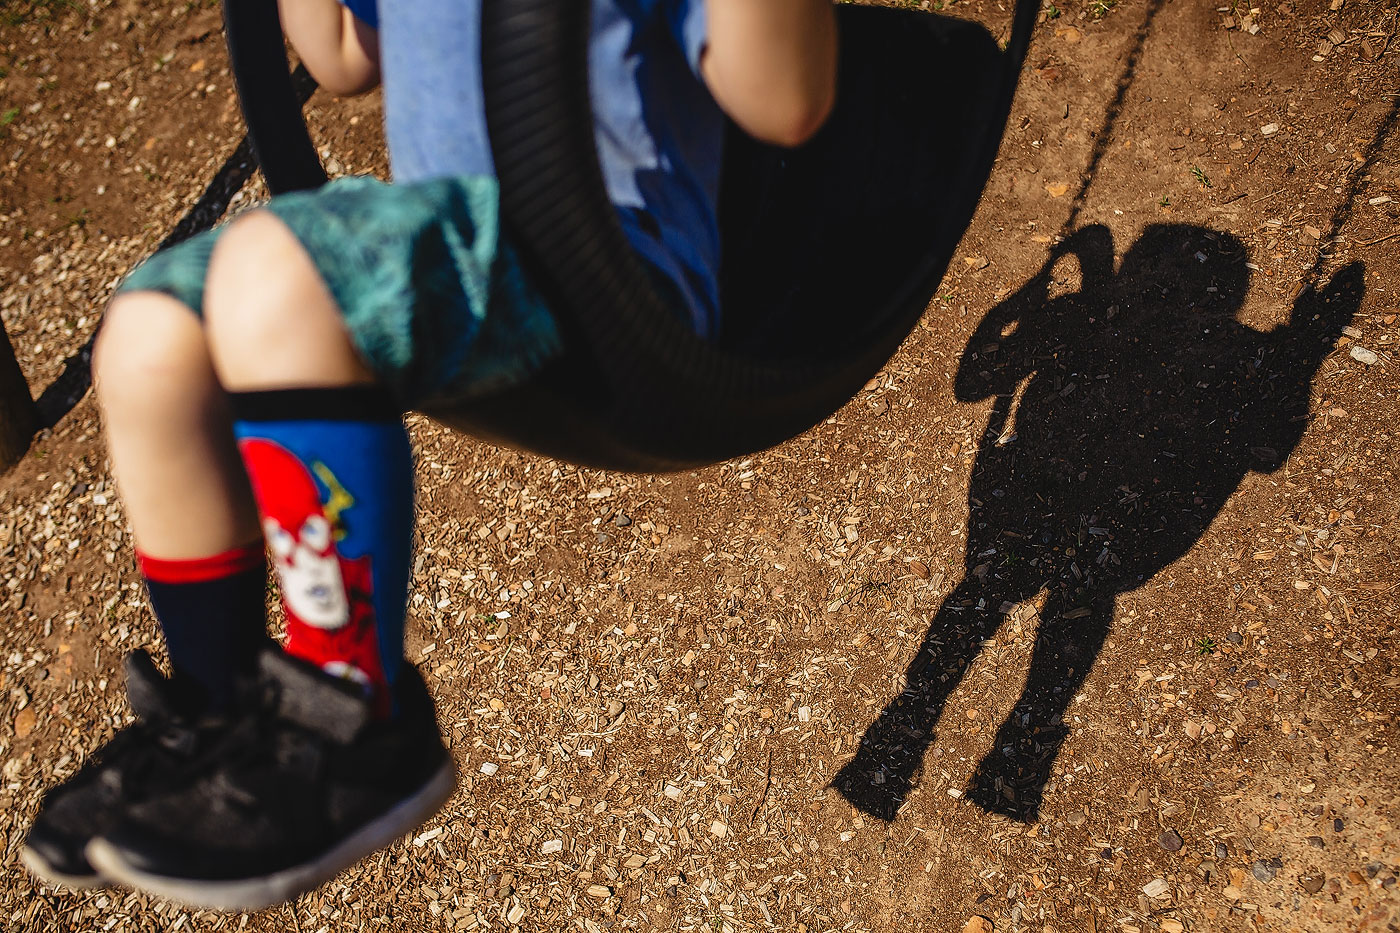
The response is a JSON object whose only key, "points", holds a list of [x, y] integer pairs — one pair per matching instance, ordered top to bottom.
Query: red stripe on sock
{"points": [[202, 569]]}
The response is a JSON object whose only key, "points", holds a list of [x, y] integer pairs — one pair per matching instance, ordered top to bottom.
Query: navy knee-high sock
{"points": [[332, 473], [212, 612]]}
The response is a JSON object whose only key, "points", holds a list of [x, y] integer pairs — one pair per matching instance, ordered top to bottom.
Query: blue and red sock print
{"points": [[332, 473]]}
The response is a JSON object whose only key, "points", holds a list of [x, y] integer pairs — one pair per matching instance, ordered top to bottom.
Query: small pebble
{"points": [[1362, 355], [622, 521], [1235, 638], [1338, 825], [1170, 840], [1317, 842], [1222, 851], [1264, 871], [1312, 883]]}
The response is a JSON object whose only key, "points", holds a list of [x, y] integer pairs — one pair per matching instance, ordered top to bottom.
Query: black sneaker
{"points": [[157, 752], [304, 787]]}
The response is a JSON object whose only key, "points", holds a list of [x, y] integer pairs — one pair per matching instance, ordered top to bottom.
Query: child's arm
{"points": [[339, 49], [771, 65]]}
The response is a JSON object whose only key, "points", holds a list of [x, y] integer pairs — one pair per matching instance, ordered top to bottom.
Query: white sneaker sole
{"points": [[40, 868], [281, 886]]}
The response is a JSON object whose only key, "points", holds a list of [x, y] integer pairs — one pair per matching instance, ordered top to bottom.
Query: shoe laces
{"points": [[265, 739], [144, 754]]}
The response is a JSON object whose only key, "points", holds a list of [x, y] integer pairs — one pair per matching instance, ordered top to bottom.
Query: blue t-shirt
{"points": [[659, 132]]}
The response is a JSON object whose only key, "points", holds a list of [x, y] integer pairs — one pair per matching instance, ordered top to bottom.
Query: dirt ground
{"points": [[1081, 616]]}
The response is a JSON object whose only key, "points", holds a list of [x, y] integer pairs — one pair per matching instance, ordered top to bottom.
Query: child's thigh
{"points": [[434, 301]]}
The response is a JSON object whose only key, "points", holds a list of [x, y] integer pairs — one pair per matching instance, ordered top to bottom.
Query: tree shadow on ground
{"points": [[1126, 413]]}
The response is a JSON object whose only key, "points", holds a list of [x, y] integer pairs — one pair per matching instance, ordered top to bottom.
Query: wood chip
{"points": [[1157, 888]]}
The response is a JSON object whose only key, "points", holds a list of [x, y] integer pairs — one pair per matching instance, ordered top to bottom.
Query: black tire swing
{"points": [[832, 251]]}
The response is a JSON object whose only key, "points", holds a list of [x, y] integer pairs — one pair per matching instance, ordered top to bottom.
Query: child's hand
{"points": [[339, 49], [771, 65]]}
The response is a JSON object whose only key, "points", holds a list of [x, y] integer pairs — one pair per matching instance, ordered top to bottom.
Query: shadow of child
{"points": [[1125, 414]]}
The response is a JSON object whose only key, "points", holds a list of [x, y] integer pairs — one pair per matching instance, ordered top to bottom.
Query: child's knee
{"points": [[253, 275], [269, 315], [149, 350]]}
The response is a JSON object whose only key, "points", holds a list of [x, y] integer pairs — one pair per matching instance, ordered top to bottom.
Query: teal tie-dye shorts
{"points": [[433, 298]]}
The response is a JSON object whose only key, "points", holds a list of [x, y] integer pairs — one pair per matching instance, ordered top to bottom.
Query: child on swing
{"points": [[253, 379]]}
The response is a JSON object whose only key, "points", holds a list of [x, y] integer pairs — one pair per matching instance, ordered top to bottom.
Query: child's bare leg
{"points": [[169, 431]]}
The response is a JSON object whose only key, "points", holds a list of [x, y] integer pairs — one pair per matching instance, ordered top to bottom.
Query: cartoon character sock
{"points": [[332, 473], [212, 612]]}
